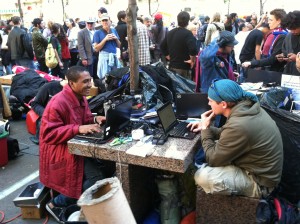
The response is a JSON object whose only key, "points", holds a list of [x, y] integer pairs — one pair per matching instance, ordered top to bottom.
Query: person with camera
{"points": [[216, 60], [245, 156]]}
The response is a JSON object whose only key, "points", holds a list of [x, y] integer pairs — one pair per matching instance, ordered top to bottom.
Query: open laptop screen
{"points": [[167, 116]]}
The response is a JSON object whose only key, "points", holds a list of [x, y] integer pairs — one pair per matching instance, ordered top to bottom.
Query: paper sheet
{"points": [[141, 149]]}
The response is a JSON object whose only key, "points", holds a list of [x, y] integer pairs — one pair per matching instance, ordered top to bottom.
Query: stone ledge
{"points": [[225, 209]]}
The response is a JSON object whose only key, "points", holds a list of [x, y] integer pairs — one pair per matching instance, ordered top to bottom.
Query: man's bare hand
{"points": [[206, 118], [195, 127], [89, 128]]}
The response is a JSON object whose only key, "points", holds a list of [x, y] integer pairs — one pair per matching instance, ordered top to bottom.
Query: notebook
{"points": [[267, 77], [191, 105], [117, 117], [171, 126]]}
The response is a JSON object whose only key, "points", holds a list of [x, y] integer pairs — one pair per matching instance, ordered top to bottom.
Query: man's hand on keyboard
{"points": [[195, 126], [89, 128]]}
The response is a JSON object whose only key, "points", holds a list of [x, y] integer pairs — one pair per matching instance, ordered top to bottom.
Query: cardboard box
{"points": [[6, 79], [32, 201]]}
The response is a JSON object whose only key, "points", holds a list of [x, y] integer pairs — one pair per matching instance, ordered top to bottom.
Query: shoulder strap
{"points": [[218, 28]]}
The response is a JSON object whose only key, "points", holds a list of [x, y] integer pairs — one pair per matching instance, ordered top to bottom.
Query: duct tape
{"points": [[137, 134]]}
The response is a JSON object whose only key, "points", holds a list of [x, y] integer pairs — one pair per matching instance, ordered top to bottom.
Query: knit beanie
{"points": [[228, 91]]}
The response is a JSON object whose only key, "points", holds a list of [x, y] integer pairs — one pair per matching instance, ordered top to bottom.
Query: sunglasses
{"points": [[90, 23], [213, 86]]}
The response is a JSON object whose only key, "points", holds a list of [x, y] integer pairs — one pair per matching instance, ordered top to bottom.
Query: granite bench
{"points": [[222, 209]]}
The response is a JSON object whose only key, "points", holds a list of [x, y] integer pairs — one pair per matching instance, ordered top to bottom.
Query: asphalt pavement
{"points": [[18, 174]]}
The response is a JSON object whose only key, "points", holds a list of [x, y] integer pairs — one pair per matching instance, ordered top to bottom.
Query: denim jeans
{"points": [[25, 62], [92, 173]]}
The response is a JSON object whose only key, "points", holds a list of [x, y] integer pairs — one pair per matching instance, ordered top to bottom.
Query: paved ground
{"points": [[18, 173]]}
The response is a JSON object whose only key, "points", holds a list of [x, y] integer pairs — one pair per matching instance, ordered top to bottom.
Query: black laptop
{"points": [[267, 77], [191, 105], [117, 117], [171, 126]]}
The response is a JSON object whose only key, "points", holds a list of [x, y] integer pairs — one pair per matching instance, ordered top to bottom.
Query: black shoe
{"points": [[34, 140], [56, 212]]}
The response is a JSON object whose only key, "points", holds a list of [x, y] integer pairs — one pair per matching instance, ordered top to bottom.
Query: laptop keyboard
{"points": [[180, 129]]}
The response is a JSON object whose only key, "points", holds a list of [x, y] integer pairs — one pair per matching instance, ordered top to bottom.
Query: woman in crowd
{"points": [[72, 34], [65, 52]]}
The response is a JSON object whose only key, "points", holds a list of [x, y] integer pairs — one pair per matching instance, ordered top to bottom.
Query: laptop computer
{"points": [[267, 77], [191, 105], [117, 117], [171, 126]]}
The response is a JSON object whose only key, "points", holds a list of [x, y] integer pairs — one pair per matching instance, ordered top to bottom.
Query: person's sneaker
{"points": [[34, 140], [56, 212]]}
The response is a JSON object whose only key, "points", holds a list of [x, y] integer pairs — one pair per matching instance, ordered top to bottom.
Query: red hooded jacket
{"points": [[62, 117]]}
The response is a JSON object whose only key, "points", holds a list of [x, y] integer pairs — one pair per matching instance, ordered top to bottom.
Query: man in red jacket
{"points": [[66, 115]]}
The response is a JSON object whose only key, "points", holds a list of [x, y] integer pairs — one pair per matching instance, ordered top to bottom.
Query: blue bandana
{"points": [[228, 91]]}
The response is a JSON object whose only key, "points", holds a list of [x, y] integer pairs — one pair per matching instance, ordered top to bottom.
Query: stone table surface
{"points": [[175, 155]]}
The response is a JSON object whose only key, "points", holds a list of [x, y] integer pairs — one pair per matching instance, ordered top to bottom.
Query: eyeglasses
{"points": [[104, 20], [215, 89]]}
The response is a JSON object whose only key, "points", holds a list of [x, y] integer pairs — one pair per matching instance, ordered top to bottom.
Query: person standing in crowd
{"points": [[101, 11], [228, 23], [235, 25], [214, 28], [55, 30], [47, 31], [202, 31], [122, 32], [159, 33], [72, 34], [106, 41], [275, 41], [39, 43], [291, 43], [15, 44], [143, 44], [85, 47], [180, 48], [250, 50], [65, 52], [5, 53], [216, 60], [66, 115], [245, 156]]}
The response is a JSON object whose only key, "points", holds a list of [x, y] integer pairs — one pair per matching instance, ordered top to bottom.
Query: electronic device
{"points": [[267, 77], [191, 105], [117, 118], [171, 126]]}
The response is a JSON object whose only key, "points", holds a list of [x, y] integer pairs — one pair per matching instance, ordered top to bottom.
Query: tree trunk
{"points": [[149, 5], [20, 9], [63, 9], [133, 45]]}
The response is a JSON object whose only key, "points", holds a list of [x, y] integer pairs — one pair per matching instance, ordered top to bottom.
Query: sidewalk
{"points": [[18, 173]]}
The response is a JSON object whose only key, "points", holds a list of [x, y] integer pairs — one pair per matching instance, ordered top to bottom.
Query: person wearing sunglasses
{"points": [[216, 60], [245, 156]]}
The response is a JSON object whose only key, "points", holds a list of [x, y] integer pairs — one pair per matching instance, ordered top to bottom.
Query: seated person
{"points": [[45, 93], [66, 115], [245, 156]]}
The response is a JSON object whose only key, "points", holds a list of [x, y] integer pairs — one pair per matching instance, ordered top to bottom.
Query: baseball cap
{"points": [[104, 16], [158, 16], [90, 20], [227, 38]]}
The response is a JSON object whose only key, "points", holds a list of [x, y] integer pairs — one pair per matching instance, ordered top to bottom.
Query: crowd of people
{"points": [[248, 156]]}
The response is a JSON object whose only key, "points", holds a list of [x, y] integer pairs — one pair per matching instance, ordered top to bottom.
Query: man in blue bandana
{"points": [[245, 156]]}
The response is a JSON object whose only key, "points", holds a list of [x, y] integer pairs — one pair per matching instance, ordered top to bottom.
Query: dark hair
{"points": [[102, 10], [278, 13], [121, 15], [233, 15], [139, 18], [206, 18], [183, 19], [16, 20], [291, 20], [36, 22], [72, 22], [265, 25], [241, 26], [7, 28], [55, 28], [62, 33], [74, 72]]}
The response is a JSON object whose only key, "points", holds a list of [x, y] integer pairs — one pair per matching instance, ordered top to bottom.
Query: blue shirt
{"points": [[109, 46]]}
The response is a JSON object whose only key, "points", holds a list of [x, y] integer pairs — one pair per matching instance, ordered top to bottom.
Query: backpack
{"points": [[202, 33], [216, 33], [27, 45], [50, 58], [12, 148]]}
